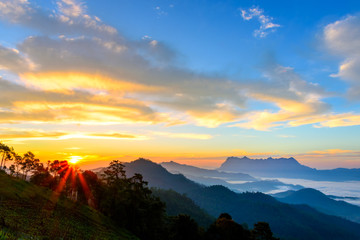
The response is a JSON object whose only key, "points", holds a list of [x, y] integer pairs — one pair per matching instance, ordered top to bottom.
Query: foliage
{"points": [[128, 201], [68, 203], [177, 204], [29, 210], [287, 221], [183, 227], [262, 231]]}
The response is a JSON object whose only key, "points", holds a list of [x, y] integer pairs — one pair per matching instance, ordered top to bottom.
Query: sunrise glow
{"points": [[92, 75], [75, 159]]}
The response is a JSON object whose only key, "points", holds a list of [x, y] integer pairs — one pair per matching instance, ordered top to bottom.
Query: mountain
{"points": [[286, 168], [188, 170], [159, 177], [214, 177], [255, 186], [265, 186], [343, 198], [321, 202], [177, 203], [28, 211], [286, 221]]}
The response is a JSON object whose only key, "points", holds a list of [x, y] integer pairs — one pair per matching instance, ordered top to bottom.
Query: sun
{"points": [[75, 159]]}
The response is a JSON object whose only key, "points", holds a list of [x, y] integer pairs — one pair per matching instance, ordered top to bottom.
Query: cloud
{"points": [[71, 8], [14, 10], [159, 11], [70, 17], [266, 24], [342, 38], [11, 59], [112, 66], [80, 70], [295, 99], [19, 104], [340, 120], [19, 135], [184, 135], [286, 136], [333, 151], [330, 158]]}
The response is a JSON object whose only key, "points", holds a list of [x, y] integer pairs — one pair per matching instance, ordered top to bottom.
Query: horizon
{"points": [[181, 81], [189, 162]]}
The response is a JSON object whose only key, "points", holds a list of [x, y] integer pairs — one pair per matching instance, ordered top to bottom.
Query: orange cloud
{"points": [[66, 82], [87, 113], [18, 135], [184, 135], [333, 151]]}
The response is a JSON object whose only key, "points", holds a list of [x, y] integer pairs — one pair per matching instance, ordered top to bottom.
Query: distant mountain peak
{"points": [[290, 159], [260, 165], [286, 168]]}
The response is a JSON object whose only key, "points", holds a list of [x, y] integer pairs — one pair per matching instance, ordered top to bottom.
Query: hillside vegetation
{"points": [[63, 202], [27, 210], [286, 221]]}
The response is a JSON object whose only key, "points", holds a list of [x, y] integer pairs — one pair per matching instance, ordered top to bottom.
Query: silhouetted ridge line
{"points": [[286, 168]]}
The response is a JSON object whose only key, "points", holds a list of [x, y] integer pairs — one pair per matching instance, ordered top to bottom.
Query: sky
{"points": [[191, 81]]}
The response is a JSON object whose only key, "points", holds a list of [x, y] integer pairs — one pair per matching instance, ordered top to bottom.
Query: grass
{"points": [[29, 212]]}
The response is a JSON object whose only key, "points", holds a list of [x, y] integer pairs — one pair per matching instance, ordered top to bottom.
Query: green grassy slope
{"points": [[28, 211]]}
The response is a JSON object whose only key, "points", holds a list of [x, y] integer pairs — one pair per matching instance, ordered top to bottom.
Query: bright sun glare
{"points": [[75, 159]]}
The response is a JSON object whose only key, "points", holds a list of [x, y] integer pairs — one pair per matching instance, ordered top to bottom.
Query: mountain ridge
{"points": [[286, 168], [321, 202], [287, 221]]}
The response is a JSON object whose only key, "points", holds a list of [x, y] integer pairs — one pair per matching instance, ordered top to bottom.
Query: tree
{"points": [[4, 149], [10, 155], [29, 163], [17, 165], [12, 169], [114, 171], [42, 177], [90, 188], [129, 203], [183, 227], [226, 228], [262, 231]]}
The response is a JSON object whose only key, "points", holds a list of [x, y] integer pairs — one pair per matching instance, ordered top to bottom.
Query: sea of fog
{"points": [[341, 189]]}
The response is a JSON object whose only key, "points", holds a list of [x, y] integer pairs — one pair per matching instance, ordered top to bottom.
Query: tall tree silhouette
{"points": [[5, 150], [29, 163]]}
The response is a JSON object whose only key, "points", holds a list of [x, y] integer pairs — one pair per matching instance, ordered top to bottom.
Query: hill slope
{"points": [[159, 177], [321, 202], [177, 203], [27, 211], [286, 221]]}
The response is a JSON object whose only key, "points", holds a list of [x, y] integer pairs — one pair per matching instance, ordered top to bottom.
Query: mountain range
{"points": [[286, 168], [188, 170], [238, 182], [320, 202], [287, 221]]}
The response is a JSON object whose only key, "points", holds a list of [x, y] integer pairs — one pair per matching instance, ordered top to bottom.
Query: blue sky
{"points": [[191, 81]]}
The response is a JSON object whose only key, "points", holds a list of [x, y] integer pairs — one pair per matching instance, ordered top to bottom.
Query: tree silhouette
{"points": [[5, 150], [29, 163], [114, 172], [42, 177], [183, 227], [226, 228], [262, 231]]}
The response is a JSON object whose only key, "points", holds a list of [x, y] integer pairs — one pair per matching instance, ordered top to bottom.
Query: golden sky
{"points": [[74, 86]]}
